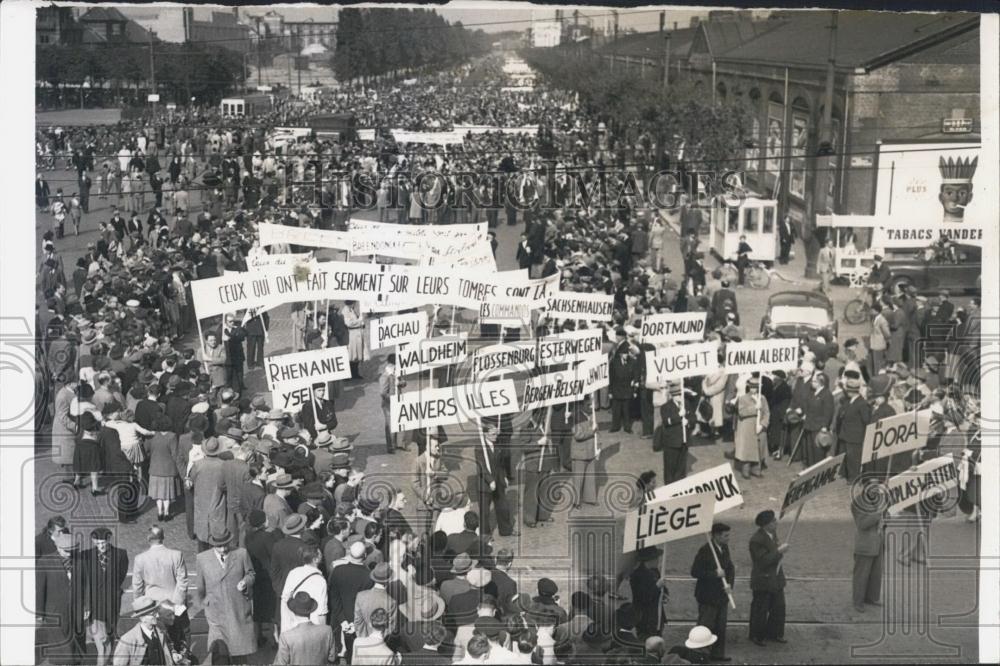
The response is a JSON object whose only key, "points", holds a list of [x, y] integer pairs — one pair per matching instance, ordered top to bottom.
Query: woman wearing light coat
{"points": [[713, 386], [63, 427]]}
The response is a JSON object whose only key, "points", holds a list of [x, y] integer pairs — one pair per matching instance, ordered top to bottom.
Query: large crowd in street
{"points": [[297, 554]]}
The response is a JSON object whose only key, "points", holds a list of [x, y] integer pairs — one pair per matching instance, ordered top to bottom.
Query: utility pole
{"points": [[260, 45], [666, 61], [152, 68], [823, 171]]}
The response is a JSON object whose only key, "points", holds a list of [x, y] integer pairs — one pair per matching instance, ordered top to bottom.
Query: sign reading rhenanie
{"points": [[292, 371]]}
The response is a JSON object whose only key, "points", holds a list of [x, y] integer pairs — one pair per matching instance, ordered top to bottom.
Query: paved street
{"points": [[823, 627]]}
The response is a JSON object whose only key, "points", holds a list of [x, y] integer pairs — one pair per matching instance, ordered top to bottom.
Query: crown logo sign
{"points": [[957, 171]]}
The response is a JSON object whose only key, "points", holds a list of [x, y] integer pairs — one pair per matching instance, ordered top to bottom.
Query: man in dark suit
{"points": [[786, 236], [524, 255], [880, 273], [719, 300], [256, 330], [232, 337], [622, 378], [176, 404], [319, 413], [852, 422], [670, 437], [539, 461], [492, 485], [260, 541], [465, 541], [868, 549], [285, 556], [105, 568], [646, 582], [767, 582], [344, 583], [710, 590], [61, 603]]}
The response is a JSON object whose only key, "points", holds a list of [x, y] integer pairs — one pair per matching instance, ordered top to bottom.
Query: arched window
{"points": [[752, 142], [774, 142], [799, 163]]}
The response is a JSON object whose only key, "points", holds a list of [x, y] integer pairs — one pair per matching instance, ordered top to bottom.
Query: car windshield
{"points": [[792, 314]]}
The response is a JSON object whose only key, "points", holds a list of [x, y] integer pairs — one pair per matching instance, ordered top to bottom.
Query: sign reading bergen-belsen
{"points": [[570, 385]]}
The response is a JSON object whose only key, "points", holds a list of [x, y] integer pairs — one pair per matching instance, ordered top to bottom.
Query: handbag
{"points": [[705, 410], [824, 439]]}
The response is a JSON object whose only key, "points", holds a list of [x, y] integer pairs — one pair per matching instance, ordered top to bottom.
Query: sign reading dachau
{"points": [[585, 307], [673, 327], [398, 329], [431, 353], [761, 355], [680, 361], [292, 371], [451, 405], [895, 434], [719, 480], [811, 481], [921, 483], [670, 520]]}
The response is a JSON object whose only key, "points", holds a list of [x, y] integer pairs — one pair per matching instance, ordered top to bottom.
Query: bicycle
{"points": [[756, 274], [859, 310]]}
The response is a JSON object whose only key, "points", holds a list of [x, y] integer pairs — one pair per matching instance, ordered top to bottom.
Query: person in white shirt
{"points": [[452, 519], [306, 578], [476, 652]]}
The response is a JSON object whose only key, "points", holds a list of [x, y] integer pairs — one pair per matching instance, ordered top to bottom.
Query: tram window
{"points": [[734, 220], [750, 220], [768, 221]]}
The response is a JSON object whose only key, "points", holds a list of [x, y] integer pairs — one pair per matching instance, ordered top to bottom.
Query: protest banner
{"points": [[366, 135], [435, 138], [271, 234], [439, 245], [259, 260], [235, 291], [581, 306], [508, 315], [671, 327], [397, 329], [571, 346], [431, 353], [761, 355], [505, 357], [676, 362], [291, 371], [570, 385], [291, 400], [451, 405], [895, 434], [719, 480], [811, 481], [923, 482], [668, 520]]}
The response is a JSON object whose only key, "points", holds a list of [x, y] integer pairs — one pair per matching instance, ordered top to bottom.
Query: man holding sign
{"points": [[714, 573], [767, 581]]}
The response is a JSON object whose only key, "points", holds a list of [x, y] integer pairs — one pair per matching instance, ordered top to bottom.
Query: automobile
{"points": [[958, 269], [798, 314]]}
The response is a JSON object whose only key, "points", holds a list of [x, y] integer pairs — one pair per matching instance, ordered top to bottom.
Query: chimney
{"points": [[188, 19], [663, 21], [675, 25]]}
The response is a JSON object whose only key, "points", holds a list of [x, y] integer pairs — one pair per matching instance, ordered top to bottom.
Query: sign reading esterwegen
{"points": [[581, 306], [673, 327], [398, 329], [571, 346], [431, 353], [761, 355], [676, 362], [292, 371], [570, 385], [451, 405], [895, 434], [718, 480], [811, 481], [922, 482], [670, 520]]}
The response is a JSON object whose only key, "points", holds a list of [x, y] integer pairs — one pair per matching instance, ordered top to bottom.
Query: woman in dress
{"points": [[355, 322], [87, 457], [163, 466]]}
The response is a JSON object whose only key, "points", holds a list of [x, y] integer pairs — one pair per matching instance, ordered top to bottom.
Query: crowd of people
{"points": [[297, 551]]}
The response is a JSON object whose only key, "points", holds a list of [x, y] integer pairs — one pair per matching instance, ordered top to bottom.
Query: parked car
{"points": [[958, 270], [798, 314]]}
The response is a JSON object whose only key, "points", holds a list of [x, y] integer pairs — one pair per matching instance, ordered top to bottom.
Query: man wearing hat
{"points": [[880, 274], [623, 374], [389, 387], [878, 398], [319, 413], [854, 416], [670, 436], [584, 452], [491, 482], [208, 483], [869, 545], [285, 556], [105, 569], [160, 574], [307, 577], [713, 581], [345, 582], [767, 582], [646, 584], [225, 590], [367, 601], [61, 603], [146, 642], [305, 642], [697, 649]]}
